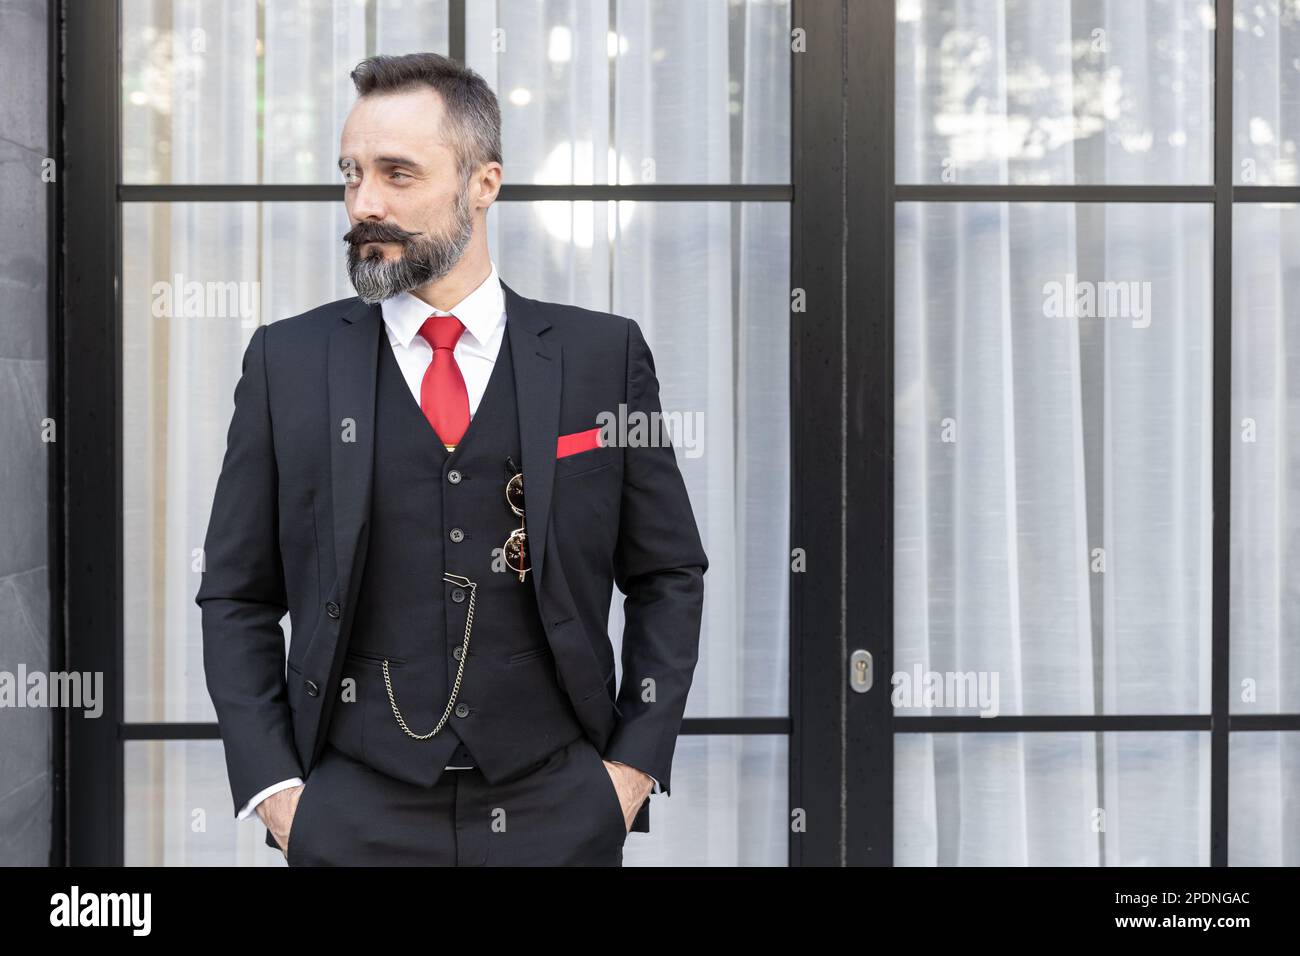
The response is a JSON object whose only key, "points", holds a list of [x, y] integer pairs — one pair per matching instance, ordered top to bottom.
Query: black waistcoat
{"points": [[433, 511]]}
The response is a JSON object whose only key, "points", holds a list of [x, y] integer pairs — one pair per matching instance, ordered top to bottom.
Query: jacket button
{"points": [[453, 476], [457, 535], [458, 594], [332, 609], [457, 652], [312, 689], [462, 710]]}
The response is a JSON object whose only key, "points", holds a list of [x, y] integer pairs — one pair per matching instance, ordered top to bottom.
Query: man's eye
{"points": [[403, 175]]}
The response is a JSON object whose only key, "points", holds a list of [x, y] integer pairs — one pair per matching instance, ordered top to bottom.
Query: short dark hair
{"points": [[473, 115]]}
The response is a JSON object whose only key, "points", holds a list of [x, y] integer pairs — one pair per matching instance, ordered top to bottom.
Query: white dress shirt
{"points": [[483, 313]]}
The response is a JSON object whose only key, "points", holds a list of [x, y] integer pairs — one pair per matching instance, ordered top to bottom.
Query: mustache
{"points": [[368, 231]]}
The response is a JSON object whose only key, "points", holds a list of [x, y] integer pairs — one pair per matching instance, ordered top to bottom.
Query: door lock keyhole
{"points": [[860, 671]]}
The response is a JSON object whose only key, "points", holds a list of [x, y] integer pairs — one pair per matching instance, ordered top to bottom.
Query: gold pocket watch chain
{"points": [[460, 671]]}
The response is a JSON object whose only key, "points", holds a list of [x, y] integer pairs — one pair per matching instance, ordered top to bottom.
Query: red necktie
{"points": [[443, 397]]}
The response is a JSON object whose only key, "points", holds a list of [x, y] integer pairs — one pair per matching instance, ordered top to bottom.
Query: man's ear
{"points": [[489, 183]]}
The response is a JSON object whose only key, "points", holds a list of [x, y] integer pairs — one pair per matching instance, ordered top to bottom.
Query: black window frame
{"points": [[842, 198], [871, 724]]}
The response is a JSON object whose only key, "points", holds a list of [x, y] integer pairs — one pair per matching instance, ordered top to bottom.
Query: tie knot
{"points": [[442, 331]]}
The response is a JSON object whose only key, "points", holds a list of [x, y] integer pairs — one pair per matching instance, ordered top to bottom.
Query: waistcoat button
{"points": [[453, 476], [457, 534], [458, 594], [332, 609], [456, 653], [312, 689], [462, 710]]}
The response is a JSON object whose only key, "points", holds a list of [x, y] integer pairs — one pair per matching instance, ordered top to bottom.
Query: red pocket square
{"points": [[567, 445]]}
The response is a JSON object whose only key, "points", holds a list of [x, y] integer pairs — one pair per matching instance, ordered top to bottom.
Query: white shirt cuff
{"points": [[251, 805]]}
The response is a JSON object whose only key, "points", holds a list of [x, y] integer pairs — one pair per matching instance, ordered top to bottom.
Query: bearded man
{"points": [[448, 696]]}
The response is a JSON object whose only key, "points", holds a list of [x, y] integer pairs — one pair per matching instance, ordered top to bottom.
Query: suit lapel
{"points": [[538, 370], [352, 377]]}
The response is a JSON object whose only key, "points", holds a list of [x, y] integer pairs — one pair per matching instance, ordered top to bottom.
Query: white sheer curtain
{"points": [[1025, 442], [1265, 586], [1265, 598]]}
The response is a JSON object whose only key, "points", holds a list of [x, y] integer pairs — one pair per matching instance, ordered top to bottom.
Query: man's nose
{"points": [[368, 202]]}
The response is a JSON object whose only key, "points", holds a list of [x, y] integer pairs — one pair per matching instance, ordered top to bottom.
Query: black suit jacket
{"points": [[289, 521]]}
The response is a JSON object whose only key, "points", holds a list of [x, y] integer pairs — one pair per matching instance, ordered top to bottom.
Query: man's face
{"points": [[411, 215]]}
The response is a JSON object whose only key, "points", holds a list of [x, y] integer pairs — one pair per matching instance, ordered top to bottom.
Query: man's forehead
{"points": [[392, 124]]}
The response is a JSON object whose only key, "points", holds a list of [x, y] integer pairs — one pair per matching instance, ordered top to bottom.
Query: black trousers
{"points": [[563, 812]]}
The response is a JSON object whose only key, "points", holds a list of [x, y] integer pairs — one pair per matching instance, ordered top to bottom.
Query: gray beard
{"points": [[422, 260]]}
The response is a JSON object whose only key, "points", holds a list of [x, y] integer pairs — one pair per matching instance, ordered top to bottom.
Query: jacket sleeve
{"points": [[659, 564], [242, 595]]}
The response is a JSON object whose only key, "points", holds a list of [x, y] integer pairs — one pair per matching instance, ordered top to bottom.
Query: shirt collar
{"points": [[481, 312]]}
